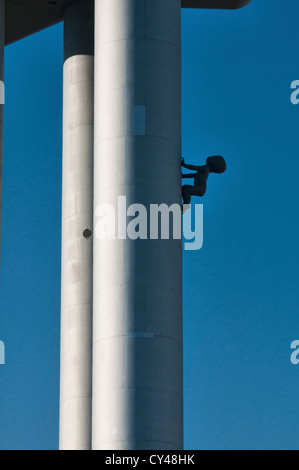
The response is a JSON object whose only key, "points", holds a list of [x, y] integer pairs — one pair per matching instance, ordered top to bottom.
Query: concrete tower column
{"points": [[2, 31], [77, 221], [137, 328]]}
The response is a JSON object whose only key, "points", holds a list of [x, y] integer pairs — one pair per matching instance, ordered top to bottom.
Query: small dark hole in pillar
{"points": [[87, 233]]}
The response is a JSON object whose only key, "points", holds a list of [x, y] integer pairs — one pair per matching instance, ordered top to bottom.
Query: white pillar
{"points": [[2, 30], [77, 221], [137, 329]]}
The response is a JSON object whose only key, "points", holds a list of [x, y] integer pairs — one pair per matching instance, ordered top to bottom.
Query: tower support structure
{"points": [[77, 222], [137, 318], [121, 384]]}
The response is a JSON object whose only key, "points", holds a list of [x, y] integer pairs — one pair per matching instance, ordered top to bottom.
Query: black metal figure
{"points": [[214, 164]]}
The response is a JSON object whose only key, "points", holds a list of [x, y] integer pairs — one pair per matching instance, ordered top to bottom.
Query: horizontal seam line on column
{"points": [[163, 41], [68, 87], [125, 87], [67, 128], [117, 137], [104, 187], [70, 218], [133, 283], [124, 284], [172, 289], [75, 305], [128, 336], [139, 388], [75, 398], [141, 440]]}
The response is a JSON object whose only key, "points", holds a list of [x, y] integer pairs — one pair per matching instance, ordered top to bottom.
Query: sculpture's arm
{"points": [[191, 167], [189, 175]]}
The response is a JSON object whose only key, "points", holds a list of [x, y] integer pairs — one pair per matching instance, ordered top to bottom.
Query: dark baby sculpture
{"points": [[214, 164]]}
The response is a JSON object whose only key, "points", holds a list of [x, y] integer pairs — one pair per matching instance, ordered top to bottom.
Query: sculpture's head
{"points": [[216, 164]]}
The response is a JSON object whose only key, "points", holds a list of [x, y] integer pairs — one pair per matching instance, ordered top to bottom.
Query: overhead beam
{"points": [[25, 17]]}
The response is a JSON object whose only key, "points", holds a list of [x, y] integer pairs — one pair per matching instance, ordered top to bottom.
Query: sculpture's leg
{"points": [[186, 193], [77, 219], [137, 350]]}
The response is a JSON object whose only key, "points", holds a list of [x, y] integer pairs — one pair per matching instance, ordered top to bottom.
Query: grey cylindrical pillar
{"points": [[2, 30], [77, 221], [137, 329]]}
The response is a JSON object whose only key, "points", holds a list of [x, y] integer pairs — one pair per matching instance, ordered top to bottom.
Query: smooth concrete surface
{"points": [[25, 17], [1, 105], [77, 221], [137, 322]]}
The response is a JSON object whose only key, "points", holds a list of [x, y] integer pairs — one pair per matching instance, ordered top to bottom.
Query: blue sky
{"points": [[241, 292]]}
